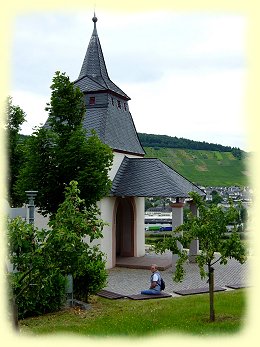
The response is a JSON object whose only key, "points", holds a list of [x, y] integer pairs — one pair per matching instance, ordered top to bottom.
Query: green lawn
{"points": [[124, 317]]}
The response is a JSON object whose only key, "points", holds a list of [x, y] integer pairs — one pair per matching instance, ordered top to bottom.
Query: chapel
{"points": [[133, 176]]}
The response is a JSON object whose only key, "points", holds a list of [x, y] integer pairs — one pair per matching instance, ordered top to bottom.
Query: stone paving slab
{"points": [[131, 281], [237, 286], [198, 290], [110, 295]]}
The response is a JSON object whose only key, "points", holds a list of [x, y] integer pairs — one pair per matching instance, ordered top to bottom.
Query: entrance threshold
{"points": [[163, 261]]}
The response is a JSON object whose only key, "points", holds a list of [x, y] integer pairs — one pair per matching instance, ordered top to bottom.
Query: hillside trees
{"points": [[15, 117], [159, 141], [62, 151], [209, 228]]}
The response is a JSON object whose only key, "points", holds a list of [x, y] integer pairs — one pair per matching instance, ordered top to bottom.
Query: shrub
{"points": [[91, 278], [37, 286], [40, 293]]}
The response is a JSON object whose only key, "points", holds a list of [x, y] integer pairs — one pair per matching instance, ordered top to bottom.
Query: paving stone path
{"points": [[132, 281]]}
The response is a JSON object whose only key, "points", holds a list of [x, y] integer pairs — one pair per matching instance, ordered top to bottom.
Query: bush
{"points": [[43, 258], [91, 278], [37, 286], [40, 293]]}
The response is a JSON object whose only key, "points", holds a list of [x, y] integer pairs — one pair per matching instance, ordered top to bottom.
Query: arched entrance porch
{"points": [[124, 228]]}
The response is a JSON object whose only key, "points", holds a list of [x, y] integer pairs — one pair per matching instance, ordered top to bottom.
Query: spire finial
{"points": [[94, 19]]}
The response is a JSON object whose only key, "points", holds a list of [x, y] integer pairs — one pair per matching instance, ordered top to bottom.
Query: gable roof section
{"points": [[93, 75], [114, 128], [145, 177]]}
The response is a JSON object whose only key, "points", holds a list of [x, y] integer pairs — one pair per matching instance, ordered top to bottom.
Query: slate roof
{"points": [[93, 75], [114, 127], [148, 177]]}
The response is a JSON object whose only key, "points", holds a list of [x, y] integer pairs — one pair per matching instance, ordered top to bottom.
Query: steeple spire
{"points": [[94, 64], [93, 71]]}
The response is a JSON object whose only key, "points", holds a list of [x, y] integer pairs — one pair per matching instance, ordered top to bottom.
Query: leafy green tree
{"points": [[15, 117], [62, 151], [216, 198], [74, 227], [209, 228], [43, 258], [37, 284]]}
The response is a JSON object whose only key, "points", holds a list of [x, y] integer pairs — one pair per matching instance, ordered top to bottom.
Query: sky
{"points": [[185, 72]]}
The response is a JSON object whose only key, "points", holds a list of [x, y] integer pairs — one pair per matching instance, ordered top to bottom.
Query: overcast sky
{"points": [[185, 72]]}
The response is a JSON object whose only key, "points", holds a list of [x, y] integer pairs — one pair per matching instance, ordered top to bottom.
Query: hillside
{"points": [[219, 166], [202, 167]]}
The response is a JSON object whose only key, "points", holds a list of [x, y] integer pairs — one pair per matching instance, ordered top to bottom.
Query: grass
{"points": [[124, 317]]}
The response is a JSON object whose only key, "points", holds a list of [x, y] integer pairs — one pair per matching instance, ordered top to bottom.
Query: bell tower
{"points": [[107, 110]]}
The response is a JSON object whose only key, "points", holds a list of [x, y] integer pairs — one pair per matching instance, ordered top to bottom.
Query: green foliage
{"points": [[66, 108], [15, 117], [158, 141], [62, 151], [216, 198], [72, 224], [209, 228], [43, 258], [91, 278], [36, 285], [40, 292]]}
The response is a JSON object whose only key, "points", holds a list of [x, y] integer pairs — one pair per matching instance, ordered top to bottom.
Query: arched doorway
{"points": [[125, 228]]}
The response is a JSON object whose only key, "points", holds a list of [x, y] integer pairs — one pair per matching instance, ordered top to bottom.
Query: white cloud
{"points": [[185, 72], [33, 105], [191, 105]]}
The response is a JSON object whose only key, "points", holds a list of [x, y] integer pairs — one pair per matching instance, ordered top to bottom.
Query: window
{"points": [[92, 100], [113, 101], [119, 103], [125, 106]]}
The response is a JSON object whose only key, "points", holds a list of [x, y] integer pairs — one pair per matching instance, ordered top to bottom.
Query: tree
{"points": [[15, 117], [62, 151], [216, 198], [74, 227], [209, 228], [43, 258], [36, 284]]}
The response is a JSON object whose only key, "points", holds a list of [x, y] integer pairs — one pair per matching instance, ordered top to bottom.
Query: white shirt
{"points": [[155, 277]]}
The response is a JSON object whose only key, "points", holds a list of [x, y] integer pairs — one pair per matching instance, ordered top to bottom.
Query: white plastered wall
{"points": [[107, 206], [107, 209], [140, 235]]}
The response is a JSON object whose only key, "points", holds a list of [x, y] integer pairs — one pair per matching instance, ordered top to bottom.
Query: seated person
{"points": [[155, 287]]}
